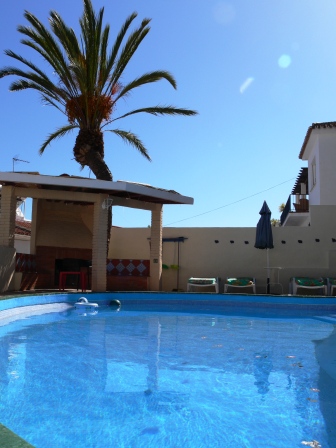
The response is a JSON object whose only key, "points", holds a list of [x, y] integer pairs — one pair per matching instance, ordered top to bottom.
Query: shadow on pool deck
{"points": [[10, 440]]}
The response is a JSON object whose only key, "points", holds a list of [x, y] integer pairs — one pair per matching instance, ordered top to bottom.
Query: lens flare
{"points": [[284, 61], [246, 84]]}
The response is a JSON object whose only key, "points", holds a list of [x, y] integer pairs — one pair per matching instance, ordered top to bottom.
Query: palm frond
{"points": [[91, 27], [66, 37], [42, 41], [132, 43], [75, 60], [111, 61], [26, 62], [103, 74], [147, 78], [33, 81], [22, 84], [49, 102], [159, 110], [60, 132], [133, 140]]}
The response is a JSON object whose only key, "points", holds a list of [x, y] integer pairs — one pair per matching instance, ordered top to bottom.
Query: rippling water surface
{"points": [[140, 379]]}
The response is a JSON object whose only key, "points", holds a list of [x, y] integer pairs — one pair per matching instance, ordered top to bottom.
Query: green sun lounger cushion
{"points": [[202, 281], [239, 281], [307, 281]]}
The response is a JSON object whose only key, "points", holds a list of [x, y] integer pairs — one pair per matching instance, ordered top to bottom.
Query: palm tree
{"points": [[88, 80]]}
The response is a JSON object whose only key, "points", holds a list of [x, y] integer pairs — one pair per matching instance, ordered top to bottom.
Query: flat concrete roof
{"points": [[122, 189]]}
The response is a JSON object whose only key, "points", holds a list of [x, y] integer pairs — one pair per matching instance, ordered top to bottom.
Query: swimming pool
{"points": [[140, 377]]}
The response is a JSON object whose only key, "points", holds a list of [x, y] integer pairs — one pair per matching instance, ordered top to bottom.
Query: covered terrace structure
{"points": [[91, 198]]}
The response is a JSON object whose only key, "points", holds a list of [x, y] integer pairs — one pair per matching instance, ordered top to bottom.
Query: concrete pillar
{"points": [[7, 216], [34, 226], [7, 232], [99, 246], [156, 249]]}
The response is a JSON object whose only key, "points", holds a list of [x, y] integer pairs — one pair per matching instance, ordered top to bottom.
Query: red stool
{"points": [[82, 277]]}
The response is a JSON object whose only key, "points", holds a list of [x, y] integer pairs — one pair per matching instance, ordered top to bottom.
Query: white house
{"points": [[316, 183], [22, 228]]}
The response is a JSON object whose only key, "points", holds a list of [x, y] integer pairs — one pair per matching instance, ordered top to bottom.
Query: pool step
{"points": [[330, 319]]}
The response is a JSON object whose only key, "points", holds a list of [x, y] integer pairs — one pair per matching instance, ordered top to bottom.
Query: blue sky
{"points": [[259, 74]]}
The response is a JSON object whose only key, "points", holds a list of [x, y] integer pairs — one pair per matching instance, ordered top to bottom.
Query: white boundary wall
{"points": [[201, 256]]}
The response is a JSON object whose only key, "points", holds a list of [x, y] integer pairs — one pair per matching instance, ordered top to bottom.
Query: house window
{"points": [[313, 173]]}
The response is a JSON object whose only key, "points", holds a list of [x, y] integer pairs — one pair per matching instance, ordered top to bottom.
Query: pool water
{"points": [[141, 378]]}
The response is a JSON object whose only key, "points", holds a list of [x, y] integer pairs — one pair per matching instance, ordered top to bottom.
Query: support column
{"points": [[7, 216], [34, 226], [7, 232], [99, 246], [156, 249]]}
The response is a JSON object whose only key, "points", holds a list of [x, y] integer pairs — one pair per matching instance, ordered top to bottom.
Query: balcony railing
{"points": [[295, 204]]}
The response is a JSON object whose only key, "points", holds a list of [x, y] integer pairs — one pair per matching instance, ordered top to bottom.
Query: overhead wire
{"points": [[231, 203]]}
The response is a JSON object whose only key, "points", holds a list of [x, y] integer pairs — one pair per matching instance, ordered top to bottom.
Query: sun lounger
{"points": [[240, 282], [309, 283], [195, 284], [331, 286]]}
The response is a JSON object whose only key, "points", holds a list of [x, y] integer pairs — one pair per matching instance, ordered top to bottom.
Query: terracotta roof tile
{"points": [[22, 227]]}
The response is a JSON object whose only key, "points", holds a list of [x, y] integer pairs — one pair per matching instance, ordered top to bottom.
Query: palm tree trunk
{"points": [[89, 151]]}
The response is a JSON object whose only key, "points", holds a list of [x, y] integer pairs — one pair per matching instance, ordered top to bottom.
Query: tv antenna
{"points": [[15, 159]]}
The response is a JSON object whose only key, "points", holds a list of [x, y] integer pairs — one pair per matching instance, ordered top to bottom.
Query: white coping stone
{"points": [[21, 312]]}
